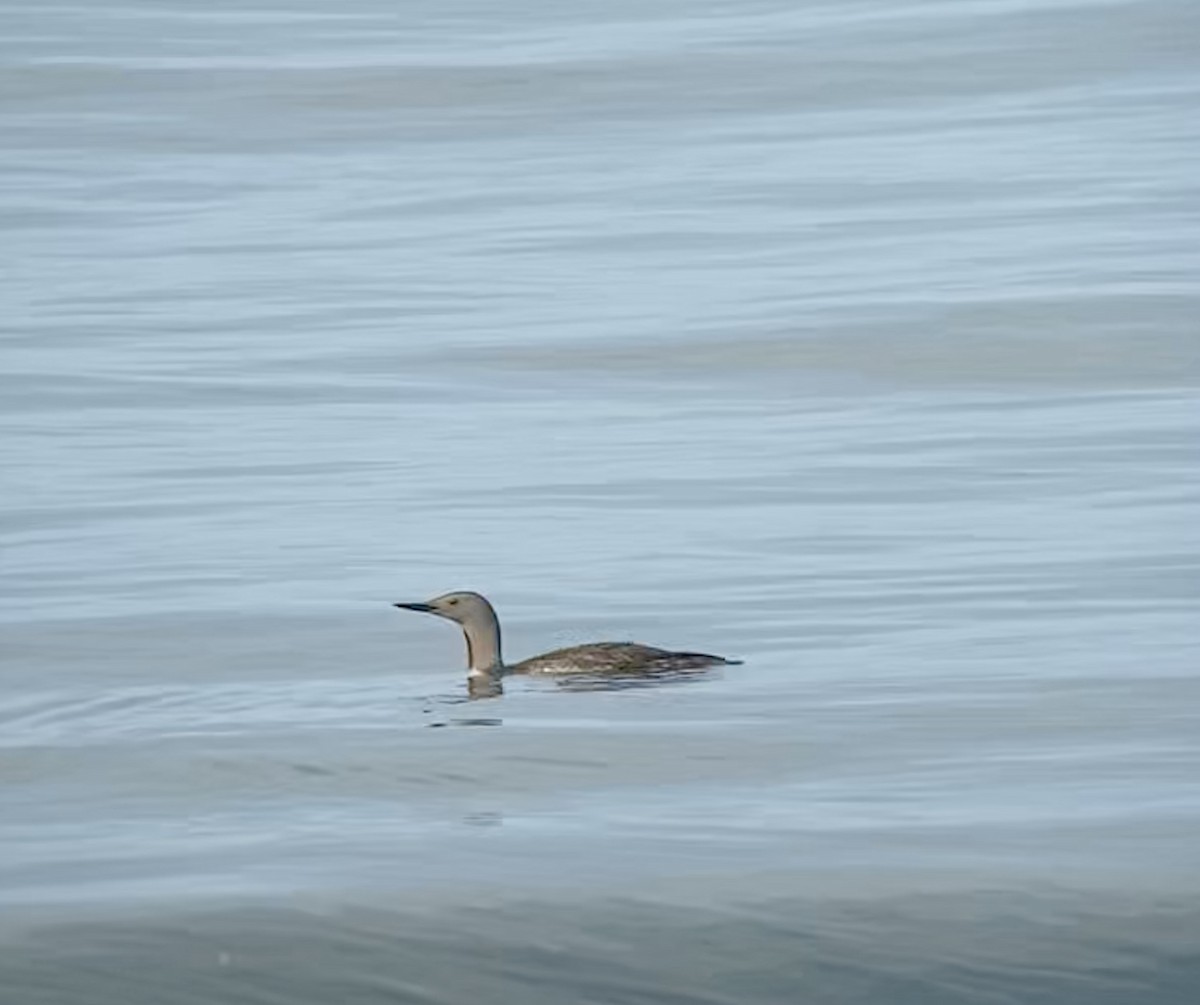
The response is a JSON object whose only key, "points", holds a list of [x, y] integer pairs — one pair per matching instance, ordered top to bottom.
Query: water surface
{"points": [[854, 341]]}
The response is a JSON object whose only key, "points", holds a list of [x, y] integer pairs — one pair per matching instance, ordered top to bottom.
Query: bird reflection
{"points": [[630, 680], [488, 686], [464, 722]]}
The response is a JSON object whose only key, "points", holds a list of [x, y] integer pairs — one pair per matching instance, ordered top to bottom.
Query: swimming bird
{"points": [[479, 624]]}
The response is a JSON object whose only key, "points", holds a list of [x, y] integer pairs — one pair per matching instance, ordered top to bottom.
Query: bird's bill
{"points": [[422, 608]]}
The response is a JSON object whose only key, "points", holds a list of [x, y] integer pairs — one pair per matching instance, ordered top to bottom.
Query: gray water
{"points": [[856, 340]]}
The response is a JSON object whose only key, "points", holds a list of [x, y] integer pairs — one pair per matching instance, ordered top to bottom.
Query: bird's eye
{"points": [[453, 602]]}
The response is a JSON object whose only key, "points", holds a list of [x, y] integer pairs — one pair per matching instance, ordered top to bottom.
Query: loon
{"points": [[481, 627]]}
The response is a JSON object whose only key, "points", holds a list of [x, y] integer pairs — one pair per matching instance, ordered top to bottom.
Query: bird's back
{"points": [[614, 657]]}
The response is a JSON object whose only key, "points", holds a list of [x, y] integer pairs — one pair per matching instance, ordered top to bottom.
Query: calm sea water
{"points": [[856, 340]]}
